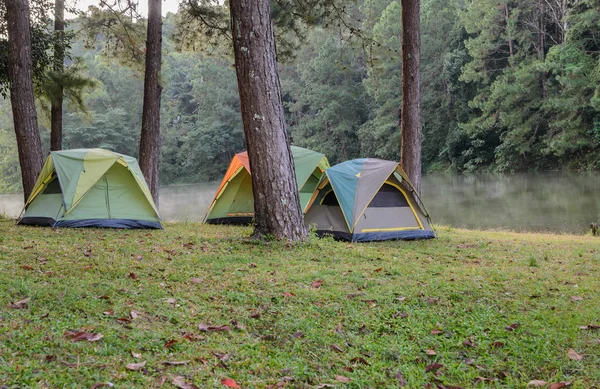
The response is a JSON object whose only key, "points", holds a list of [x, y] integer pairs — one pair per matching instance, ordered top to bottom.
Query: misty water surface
{"points": [[555, 202]]}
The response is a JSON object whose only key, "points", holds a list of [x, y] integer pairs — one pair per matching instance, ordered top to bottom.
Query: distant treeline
{"points": [[506, 86]]}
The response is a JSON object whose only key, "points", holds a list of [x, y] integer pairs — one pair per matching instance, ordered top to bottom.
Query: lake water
{"points": [[553, 202]]}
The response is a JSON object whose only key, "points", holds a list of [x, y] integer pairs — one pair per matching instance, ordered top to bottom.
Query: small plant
{"points": [[533, 262]]}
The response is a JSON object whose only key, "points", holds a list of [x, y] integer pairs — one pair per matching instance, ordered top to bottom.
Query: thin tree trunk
{"points": [[506, 18], [411, 92], [21, 93], [56, 110], [149, 154], [277, 210]]}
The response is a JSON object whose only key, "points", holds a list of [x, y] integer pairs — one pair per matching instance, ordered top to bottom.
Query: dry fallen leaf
{"points": [[133, 276], [196, 280], [317, 284], [288, 294], [576, 298], [171, 300], [20, 304], [110, 312], [135, 314], [512, 327], [206, 328], [436, 332], [80, 335], [193, 338], [170, 343], [336, 348], [430, 352], [135, 355], [574, 355], [135, 366], [433, 367], [341, 378], [400, 378], [179, 381], [230, 383], [537, 383], [102, 385], [558, 385], [324, 386]]}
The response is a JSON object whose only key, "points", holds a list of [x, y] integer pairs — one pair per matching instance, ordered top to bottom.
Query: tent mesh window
{"points": [[53, 187], [388, 197], [330, 199]]}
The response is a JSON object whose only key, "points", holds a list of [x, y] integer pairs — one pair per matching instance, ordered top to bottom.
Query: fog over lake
{"points": [[553, 202]]}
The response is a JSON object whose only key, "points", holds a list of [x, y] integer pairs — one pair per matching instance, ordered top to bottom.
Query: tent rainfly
{"points": [[91, 188], [368, 200], [234, 201]]}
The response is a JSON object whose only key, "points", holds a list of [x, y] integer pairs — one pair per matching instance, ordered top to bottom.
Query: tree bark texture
{"points": [[411, 92], [21, 93], [56, 109], [149, 153], [277, 211]]}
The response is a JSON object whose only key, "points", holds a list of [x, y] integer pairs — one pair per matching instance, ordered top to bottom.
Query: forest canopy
{"points": [[506, 86]]}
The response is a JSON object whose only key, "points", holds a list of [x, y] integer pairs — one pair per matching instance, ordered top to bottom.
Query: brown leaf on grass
{"points": [[252, 265], [26, 267], [378, 269], [133, 276], [196, 280], [317, 284], [289, 294], [103, 297], [577, 298], [171, 301], [371, 303], [20, 304], [110, 312], [134, 314], [255, 315], [400, 315], [123, 320], [237, 325], [512, 327], [590, 327], [207, 328], [338, 329], [436, 332], [80, 335], [298, 335], [193, 338], [470, 342], [170, 343], [497, 344], [336, 348], [430, 352], [135, 355], [574, 355], [50, 358], [357, 360], [175, 363], [135, 366], [433, 367], [349, 369], [341, 378], [400, 378], [480, 379], [179, 382], [229, 382], [537, 383], [558, 385], [321, 386]]}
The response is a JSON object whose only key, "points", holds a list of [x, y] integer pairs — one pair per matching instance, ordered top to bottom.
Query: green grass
{"points": [[379, 302]]}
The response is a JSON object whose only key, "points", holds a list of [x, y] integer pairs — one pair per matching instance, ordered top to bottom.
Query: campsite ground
{"points": [[472, 309]]}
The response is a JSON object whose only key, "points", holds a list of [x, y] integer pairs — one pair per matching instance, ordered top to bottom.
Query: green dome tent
{"points": [[91, 188], [367, 200], [234, 202]]}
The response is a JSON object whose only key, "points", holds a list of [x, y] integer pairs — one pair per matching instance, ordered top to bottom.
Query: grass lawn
{"points": [[470, 309]]}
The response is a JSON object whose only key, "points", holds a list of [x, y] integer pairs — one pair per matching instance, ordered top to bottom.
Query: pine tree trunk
{"points": [[411, 92], [21, 93], [56, 109], [149, 154], [277, 210]]}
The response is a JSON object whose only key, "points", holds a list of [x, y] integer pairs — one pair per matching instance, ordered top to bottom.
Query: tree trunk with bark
{"points": [[411, 92], [21, 93], [56, 109], [149, 153], [277, 211]]}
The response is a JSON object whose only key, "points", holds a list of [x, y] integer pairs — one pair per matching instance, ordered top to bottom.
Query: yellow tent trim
{"points": [[390, 229]]}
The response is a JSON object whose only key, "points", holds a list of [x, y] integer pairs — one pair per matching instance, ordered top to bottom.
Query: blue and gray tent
{"points": [[367, 200]]}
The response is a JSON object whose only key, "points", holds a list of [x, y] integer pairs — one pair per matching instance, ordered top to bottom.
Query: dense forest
{"points": [[506, 86]]}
